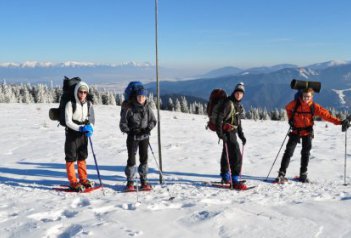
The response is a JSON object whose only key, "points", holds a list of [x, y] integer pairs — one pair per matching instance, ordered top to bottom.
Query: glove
{"points": [[291, 123], [345, 124], [87, 129], [145, 131], [135, 132], [221, 135], [243, 139]]}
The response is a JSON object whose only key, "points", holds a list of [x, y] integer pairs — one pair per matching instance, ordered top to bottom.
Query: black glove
{"points": [[291, 123], [345, 125], [135, 131], [145, 131], [221, 135], [243, 139]]}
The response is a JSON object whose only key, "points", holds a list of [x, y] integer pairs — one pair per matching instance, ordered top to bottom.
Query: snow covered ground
{"points": [[32, 163]]}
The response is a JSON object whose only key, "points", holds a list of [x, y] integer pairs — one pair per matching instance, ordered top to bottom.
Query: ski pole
{"points": [[278, 154], [242, 158], [345, 158], [228, 163], [96, 165], [159, 170], [161, 174], [136, 184]]}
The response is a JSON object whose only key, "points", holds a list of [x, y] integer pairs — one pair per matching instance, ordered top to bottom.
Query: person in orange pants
{"points": [[79, 118]]}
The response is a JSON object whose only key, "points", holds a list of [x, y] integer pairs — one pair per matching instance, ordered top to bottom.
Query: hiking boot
{"points": [[226, 178], [303, 178], [280, 179], [87, 183], [145, 185], [238, 185], [130, 186], [78, 187]]}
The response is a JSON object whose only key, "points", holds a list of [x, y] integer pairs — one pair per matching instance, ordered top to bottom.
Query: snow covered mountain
{"points": [[328, 64], [44, 72], [266, 86], [271, 89], [32, 164]]}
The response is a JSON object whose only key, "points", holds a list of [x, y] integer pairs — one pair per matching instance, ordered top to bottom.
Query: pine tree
{"points": [[9, 96], [111, 99], [151, 101], [170, 105], [184, 105], [177, 107]]}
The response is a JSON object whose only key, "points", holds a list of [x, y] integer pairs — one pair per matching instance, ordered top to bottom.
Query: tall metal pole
{"points": [[158, 93], [345, 158]]}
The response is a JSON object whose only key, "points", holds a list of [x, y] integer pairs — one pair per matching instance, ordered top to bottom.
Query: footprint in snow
{"points": [[80, 202], [130, 206], [53, 215], [47, 216], [199, 217], [72, 231], [134, 233]]}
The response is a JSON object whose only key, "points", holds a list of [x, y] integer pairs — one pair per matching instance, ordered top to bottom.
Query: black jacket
{"points": [[230, 112], [137, 120]]}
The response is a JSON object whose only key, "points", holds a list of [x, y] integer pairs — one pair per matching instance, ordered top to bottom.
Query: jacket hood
{"points": [[77, 87]]}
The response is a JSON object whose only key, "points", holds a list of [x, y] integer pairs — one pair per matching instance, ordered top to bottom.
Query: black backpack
{"points": [[58, 114]]}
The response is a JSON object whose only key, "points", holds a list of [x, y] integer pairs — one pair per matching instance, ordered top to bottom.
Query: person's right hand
{"points": [[345, 124], [87, 129]]}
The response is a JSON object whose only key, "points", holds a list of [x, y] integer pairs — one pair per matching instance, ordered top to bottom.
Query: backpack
{"points": [[216, 100], [58, 114]]}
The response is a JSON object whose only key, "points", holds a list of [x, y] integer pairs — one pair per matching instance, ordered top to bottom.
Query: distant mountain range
{"points": [[45, 72], [265, 86], [270, 86]]}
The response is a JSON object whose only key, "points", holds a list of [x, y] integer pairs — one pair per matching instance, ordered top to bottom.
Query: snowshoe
{"points": [[302, 179], [280, 180], [229, 185], [239, 185], [145, 186], [130, 187], [68, 189]]}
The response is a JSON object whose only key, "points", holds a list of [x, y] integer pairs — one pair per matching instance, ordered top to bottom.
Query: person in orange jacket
{"points": [[300, 113]]}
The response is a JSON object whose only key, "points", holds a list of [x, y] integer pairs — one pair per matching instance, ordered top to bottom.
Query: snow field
{"points": [[33, 163]]}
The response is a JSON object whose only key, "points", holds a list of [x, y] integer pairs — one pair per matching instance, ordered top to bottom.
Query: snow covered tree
{"points": [[111, 99], [119, 99], [170, 105], [184, 105], [177, 107]]}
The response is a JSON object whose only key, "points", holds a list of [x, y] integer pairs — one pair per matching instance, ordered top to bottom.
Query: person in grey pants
{"points": [[137, 120]]}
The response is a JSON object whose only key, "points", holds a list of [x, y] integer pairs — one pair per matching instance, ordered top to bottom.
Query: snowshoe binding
{"points": [[303, 178], [280, 180], [87, 183], [239, 185], [145, 186], [77, 187], [130, 187]]}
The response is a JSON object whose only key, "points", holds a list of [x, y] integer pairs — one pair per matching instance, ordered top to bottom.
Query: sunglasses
{"points": [[83, 92]]}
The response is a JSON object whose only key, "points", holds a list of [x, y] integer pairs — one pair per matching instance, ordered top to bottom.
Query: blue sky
{"points": [[192, 33]]}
